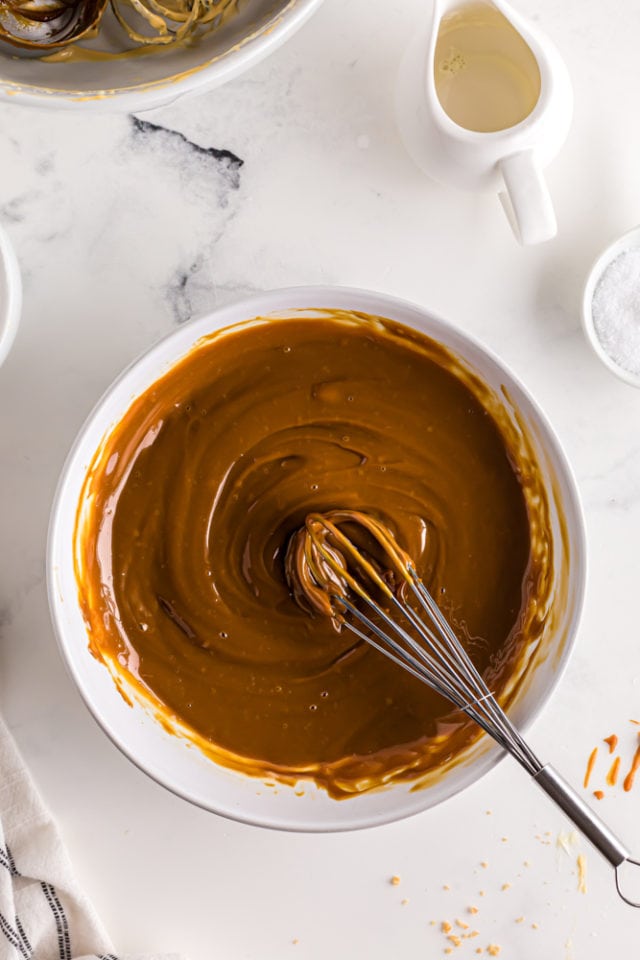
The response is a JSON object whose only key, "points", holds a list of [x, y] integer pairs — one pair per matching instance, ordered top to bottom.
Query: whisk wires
{"points": [[343, 578]]}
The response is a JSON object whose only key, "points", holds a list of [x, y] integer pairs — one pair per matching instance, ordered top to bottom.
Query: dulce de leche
{"points": [[192, 498]]}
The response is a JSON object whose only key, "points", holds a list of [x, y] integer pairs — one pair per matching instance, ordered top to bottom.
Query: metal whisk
{"points": [[328, 572]]}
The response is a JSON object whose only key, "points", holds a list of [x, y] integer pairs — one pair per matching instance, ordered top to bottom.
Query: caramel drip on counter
{"points": [[192, 500], [590, 765], [635, 766], [614, 770], [612, 776]]}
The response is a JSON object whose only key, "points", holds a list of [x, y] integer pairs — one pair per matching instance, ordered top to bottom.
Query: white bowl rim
{"points": [[142, 96], [630, 240], [304, 297], [10, 319]]}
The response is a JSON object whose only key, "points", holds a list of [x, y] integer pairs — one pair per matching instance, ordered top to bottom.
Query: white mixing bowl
{"points": [[142, 82], [182, 768]]}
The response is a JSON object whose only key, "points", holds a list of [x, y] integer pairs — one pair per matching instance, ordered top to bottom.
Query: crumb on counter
{"points": [[505, 839], [565, 841], [484, 864], [582, 873], [394, 881], [506, 886], [446, 887], [481, 893], [404, 902], [472, 909], [519, 919], [462, 924], [534, 926], [446, 927], [454, 939], [493, 949]]}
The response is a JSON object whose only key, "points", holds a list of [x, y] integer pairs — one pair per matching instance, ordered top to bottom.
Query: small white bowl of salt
{"points": [[611, 307]]}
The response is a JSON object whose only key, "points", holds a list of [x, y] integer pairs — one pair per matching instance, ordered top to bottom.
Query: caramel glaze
{"points": [[188, 507]]}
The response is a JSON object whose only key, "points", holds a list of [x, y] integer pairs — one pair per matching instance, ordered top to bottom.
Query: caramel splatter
{"points": [[612, 741], [590, 765], [612, 776], [630, 777], [598, 794]]}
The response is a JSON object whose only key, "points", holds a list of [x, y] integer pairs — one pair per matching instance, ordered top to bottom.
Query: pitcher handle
{"points": [[526, 199]]}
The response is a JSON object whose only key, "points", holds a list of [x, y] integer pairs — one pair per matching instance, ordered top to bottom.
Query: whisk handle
{"points": [[593, 828]]}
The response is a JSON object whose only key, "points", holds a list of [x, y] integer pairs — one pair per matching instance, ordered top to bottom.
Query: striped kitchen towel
{"points": [[43, 914]]}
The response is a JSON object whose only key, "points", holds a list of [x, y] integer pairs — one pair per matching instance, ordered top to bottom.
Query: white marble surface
{"points": [[124, 231]]}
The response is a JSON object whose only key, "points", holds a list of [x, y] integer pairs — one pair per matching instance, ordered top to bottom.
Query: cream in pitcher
{"points": [[484, 101]]}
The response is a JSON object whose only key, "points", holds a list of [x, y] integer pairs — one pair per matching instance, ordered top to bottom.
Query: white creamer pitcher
{"points": [[509, 159]]}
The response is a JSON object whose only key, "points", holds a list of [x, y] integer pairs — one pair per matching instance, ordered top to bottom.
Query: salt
{"points": [[616, 310]]}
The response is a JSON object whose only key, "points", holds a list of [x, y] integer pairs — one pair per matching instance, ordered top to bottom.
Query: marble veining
{"points": [[227, 162]]}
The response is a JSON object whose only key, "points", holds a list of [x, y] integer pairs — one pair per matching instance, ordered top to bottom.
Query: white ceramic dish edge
{"points": [[628, 241], [10, 296], [212, 787]]}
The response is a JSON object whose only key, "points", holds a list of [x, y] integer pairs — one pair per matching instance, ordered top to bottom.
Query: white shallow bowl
{"points": [[143, 82], [628, 241], [10, 296], [183, 769]]}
